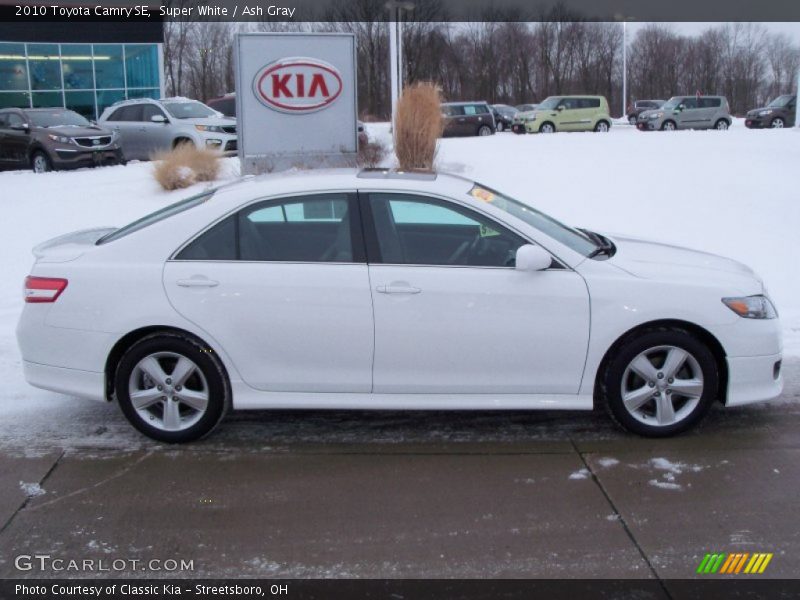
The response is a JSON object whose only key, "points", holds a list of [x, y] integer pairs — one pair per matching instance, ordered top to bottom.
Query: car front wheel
{"points": [[632, 120], [777, 123], [721, 125], [500, 126], [668, 126], [601, 127], [547, 128], [40, 162], [660, 383], [171, 388]]}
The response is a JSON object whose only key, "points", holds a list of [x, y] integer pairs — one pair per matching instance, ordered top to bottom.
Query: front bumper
{"points": [[757, 122], [649, 125], [518, 128], [225, 143], [73, 158], [754, 379]]}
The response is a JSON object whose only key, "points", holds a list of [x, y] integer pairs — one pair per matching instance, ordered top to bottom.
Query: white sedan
{"points": [[388, 290]]}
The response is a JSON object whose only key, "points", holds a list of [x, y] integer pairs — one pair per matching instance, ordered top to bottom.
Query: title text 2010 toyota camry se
{"points": [[389, 290]]}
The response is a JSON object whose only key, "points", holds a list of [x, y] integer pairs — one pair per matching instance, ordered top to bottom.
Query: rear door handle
{"points": [[197, 282], [398, 288]]}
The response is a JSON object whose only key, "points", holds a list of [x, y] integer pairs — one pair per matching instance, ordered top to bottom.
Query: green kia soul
{"points": [[569, 113]]}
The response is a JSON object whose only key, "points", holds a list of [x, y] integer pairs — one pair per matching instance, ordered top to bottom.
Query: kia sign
{"points": [[298, 85], [296, 100]]}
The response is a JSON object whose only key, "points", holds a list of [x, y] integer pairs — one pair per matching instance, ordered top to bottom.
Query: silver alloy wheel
{"points": [[777, 123], [722, 125], [500, 126], [669, 126], [602, 127], [546, 128], [484, 130], [40, 163], [662, 386], [168, 391]]}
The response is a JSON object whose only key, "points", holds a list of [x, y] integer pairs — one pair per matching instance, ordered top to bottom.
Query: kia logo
{"points": [[297, 85], [96, 142]]}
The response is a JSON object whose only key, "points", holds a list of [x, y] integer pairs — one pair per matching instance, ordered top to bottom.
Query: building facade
{"points": [[85, 67]]}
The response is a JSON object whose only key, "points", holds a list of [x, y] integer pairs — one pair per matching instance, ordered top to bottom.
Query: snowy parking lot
{"points": [[441, 494]]}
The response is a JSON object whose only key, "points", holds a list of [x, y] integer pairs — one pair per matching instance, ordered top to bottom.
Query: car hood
{"points": [[650, 111], [221, 121], [76, 131], [655, 260]]}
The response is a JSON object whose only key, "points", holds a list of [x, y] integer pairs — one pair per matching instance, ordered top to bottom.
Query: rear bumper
{"points": [[754, 379], [84, 384]]}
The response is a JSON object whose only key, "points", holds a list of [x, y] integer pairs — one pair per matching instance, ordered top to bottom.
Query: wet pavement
{"points": [[391, 494]]}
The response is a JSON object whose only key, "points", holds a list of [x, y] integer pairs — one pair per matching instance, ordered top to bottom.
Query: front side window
{"points": [[550, 103], [151, 110], [131, 112], [15, 119], [303, 229], [416, 230]]}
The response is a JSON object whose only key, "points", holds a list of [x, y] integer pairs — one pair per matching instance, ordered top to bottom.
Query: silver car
{"points": [[687, 112], [146, 126]]}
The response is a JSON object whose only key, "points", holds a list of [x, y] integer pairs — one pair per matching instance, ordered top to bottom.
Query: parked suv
{"points": [[225, 104], [639, 106], [687, 112], [570, 113], [779, 113], [503, 116], [467, 118], [146, 126], [53, 138]]}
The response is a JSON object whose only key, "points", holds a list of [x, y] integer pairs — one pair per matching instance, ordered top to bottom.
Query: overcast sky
{"points": [[792, 29]]}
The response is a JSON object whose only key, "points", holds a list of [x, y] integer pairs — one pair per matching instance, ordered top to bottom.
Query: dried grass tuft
{"points": [[418, 126], [186, 165]]}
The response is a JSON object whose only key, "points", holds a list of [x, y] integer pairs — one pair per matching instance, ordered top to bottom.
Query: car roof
{"points": [[463, 102]]}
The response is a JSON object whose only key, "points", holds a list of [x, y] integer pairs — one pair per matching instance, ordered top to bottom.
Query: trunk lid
{"points": [[70, 246]]}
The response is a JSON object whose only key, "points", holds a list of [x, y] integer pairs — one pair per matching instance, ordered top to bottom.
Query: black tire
{"points": [[632, 120], [778, 123], [721, 125], [500, 126], [547, 127], [599, 127], [665, 127], [484, 130], [40, 162], [208, 364], [611, 379]]}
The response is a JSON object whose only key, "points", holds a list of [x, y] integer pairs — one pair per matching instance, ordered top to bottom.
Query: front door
{"points": [[283, 287], [453, 315]]}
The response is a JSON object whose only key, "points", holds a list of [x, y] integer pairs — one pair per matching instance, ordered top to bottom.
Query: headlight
{"points": [[764, 113], [656, 115], [209, 128], [61, 139], [752, 307]]}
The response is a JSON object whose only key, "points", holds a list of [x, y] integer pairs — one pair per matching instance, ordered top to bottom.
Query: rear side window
{"points": [[589, 102], [710, 103], [131, 112], [15, 119], [159, 215], [304, 229]]}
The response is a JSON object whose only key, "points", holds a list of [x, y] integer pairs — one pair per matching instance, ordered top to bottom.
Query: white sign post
{"points": [[296, 100]]}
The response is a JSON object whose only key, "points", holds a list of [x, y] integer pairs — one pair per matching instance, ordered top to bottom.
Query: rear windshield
{"points": [[155, 217]]}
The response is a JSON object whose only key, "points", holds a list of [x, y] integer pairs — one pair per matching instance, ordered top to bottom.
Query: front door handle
{"points": [[197, 282], [398, 288]]}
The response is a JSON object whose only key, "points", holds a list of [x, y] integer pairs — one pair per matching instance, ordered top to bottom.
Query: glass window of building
{"points": [[44, 64], [76, 64], [141, 65], [13, 67], [109, 68], [81, 102]]}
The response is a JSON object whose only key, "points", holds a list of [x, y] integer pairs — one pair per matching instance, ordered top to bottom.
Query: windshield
{"points": [[673, 102], [780, 102], [550, 103], [189, 110], [505, 110], [56, 118], [155, 217], [568, 236]]}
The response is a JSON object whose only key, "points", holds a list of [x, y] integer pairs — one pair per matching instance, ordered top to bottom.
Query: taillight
{"points": [[43, 289]]}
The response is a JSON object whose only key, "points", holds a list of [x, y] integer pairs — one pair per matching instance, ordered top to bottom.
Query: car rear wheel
{"points": [[632, 120], [777, 123], [721, 125], [500, 126], [668, 126], [601, 127], [547, 128], [484, 130], [40, 162], [660, 383], [171, 388]]}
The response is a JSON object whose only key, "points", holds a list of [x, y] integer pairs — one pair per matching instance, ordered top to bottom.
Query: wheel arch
{"points": [[553, 125], [699, 332], [130, 338]]}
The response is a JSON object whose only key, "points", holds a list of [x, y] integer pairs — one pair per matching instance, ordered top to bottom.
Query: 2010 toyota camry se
{"points": [[386, 290]]}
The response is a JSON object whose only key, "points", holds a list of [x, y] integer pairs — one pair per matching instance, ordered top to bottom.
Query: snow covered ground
{"points": [[733, 193]]}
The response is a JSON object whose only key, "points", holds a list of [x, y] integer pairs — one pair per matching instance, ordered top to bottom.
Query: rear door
{"points": [[710, 108], [127, 121], [155, 137], [282, 285]]}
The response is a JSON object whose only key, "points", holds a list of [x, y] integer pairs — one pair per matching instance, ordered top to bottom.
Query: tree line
{"points": [[513, 62]]}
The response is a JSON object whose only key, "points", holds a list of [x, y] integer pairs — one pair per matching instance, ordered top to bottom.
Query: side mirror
{"points": [[560, 107], [680, 107], [158, 119], [20, 127], [532, 258]]}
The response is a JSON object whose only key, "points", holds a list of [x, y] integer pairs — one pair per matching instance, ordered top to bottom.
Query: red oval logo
{"points": [[297, 85]]}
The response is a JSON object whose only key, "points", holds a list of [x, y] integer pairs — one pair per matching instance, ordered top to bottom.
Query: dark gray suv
{"points": [[778, 114], [467, 118], [54, 138]]}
